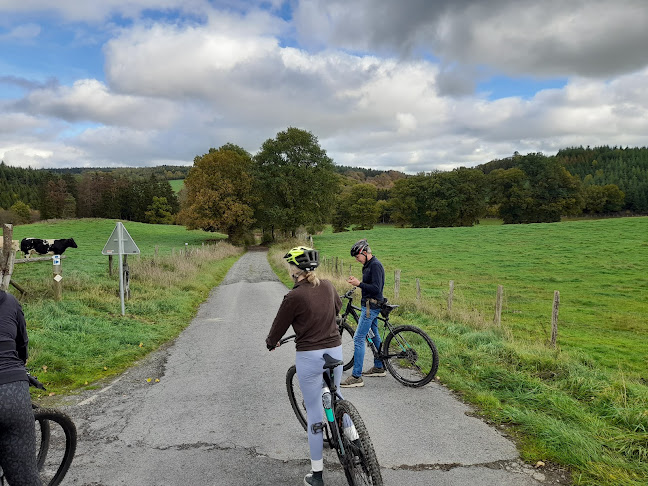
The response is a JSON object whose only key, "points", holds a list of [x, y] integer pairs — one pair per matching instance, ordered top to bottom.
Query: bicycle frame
{"points": [[355, 312], [329, 412]]}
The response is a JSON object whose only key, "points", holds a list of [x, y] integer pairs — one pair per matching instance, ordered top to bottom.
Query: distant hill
{"points": [[627, 168], [168, 172]]}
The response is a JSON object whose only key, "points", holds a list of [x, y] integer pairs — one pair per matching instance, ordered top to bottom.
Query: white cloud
{"points": [[23, 32], [548, 38], [173, 90], [90, 100]]}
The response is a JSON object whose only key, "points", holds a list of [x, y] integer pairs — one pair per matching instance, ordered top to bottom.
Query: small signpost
{"points": [[120, 243]]}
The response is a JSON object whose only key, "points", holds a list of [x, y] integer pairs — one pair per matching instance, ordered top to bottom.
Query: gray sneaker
{"points": [[375, 372], [352, 382], [309, 480]]}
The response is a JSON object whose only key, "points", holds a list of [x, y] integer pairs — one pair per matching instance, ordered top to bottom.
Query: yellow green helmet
{"points": [[303, 258]]}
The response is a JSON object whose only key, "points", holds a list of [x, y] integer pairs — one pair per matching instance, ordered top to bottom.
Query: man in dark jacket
{"points": [[373, 282]]}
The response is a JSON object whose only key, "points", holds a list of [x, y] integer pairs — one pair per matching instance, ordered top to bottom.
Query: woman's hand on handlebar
{"points": [[283, 341]]}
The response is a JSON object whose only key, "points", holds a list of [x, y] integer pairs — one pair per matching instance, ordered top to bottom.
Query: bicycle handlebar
{"points": [[348, 294], [287, 338], [282, 341], [33, 381]]}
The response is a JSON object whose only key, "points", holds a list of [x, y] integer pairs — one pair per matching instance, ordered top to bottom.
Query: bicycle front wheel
{"points": [[348, 347], [410, 356], [295, 396], [42, 437], [54, 457], [359, 458]]}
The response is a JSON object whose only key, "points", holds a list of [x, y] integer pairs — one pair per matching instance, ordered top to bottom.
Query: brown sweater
{"points": [[311, 311]]}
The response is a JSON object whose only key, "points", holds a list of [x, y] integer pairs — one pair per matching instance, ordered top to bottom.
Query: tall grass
{"points": [[83, 338], [583, 405]]}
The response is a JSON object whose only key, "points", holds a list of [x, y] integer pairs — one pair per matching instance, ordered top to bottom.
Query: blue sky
{"points": [[412, 86]]}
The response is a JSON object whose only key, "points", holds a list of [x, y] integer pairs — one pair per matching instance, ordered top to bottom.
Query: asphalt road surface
{"points": [[219, 414]]}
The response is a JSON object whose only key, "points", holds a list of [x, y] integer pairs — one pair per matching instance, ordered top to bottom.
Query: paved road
{"points": [[220, 416]]}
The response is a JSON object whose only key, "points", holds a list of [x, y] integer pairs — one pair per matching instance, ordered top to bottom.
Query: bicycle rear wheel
{"points": [[348, 347], [410, 356], [54, 457], [359, 459]]}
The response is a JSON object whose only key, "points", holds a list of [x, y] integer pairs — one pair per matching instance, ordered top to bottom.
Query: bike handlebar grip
{"points": [[33, 381]]}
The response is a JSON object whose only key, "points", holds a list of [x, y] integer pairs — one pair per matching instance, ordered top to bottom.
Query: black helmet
{"points": [[359, 247], [303, 258]]}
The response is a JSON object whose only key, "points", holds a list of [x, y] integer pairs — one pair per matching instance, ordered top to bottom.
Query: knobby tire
{"points": [[348, 347], [412, 356], [295, 396], [45, 415], [359, 461]]}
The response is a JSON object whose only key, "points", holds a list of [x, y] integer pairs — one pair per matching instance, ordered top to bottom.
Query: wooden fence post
{"points": [[7, 255], [110, 265], [336, 265], [396, 283], [418, 290], [450, 295], [498, 306], [554, 318]]}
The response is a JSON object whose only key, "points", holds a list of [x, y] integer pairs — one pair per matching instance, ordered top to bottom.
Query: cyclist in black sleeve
{"points": [[372, 284], [17, 431]]}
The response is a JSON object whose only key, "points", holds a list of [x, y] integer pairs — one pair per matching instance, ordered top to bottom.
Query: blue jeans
{"points": [[360, 336]]}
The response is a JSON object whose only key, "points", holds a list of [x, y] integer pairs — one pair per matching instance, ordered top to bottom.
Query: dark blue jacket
{"points": [[373, 282], [13, 340]]}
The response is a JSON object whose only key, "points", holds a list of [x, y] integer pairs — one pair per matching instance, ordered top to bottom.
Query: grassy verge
{"points": [[83, 338], [584, 407]]}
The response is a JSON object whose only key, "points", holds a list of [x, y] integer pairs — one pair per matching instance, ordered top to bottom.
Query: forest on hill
{"points": [[228, 189]]}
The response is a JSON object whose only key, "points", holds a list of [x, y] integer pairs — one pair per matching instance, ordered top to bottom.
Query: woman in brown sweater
{"points": [[310, 308]]}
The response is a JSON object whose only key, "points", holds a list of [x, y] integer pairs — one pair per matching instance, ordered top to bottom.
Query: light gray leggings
{"points": [[309, 374], [17, 435]]}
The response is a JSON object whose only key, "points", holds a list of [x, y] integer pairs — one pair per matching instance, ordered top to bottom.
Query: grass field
{"points": [[177, 185], [599, 267], [84, 337], [583, 405]]}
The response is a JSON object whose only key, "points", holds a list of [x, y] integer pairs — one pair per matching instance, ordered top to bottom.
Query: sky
{"points": [[408, 85]]}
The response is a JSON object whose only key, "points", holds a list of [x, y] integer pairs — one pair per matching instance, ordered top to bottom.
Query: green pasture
{"points": [[177, 185], [600, 268], [84, 337], [583, 405]]}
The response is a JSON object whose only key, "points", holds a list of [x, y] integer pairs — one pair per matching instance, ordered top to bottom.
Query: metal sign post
{"points": [[122, 243]]}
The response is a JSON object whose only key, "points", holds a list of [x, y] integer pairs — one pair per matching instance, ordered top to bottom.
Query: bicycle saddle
{"points": [[387, 308], [330, 362]]}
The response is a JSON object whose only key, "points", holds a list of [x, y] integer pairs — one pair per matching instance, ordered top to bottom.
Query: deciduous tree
{"points": [[296, 182], [219, 193]]}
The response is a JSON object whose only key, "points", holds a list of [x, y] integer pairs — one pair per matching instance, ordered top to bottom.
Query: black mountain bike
{"points": [[407, 352], [343, 427], [56, 439]]}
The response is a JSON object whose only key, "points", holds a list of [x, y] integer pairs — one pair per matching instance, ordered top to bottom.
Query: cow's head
{"points": [[71, 243]]}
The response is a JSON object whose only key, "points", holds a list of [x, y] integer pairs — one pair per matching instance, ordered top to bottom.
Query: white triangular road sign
{"points": [[112, 245]]}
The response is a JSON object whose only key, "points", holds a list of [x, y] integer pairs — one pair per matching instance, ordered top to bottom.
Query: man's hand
{"points": [[353, 281], [272, 348]]}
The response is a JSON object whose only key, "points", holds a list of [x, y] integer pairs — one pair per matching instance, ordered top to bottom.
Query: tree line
{"points": [[291, 182], [28, 195]]}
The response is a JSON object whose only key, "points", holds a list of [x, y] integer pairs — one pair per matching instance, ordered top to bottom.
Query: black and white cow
{"points": [[32, 246]]}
